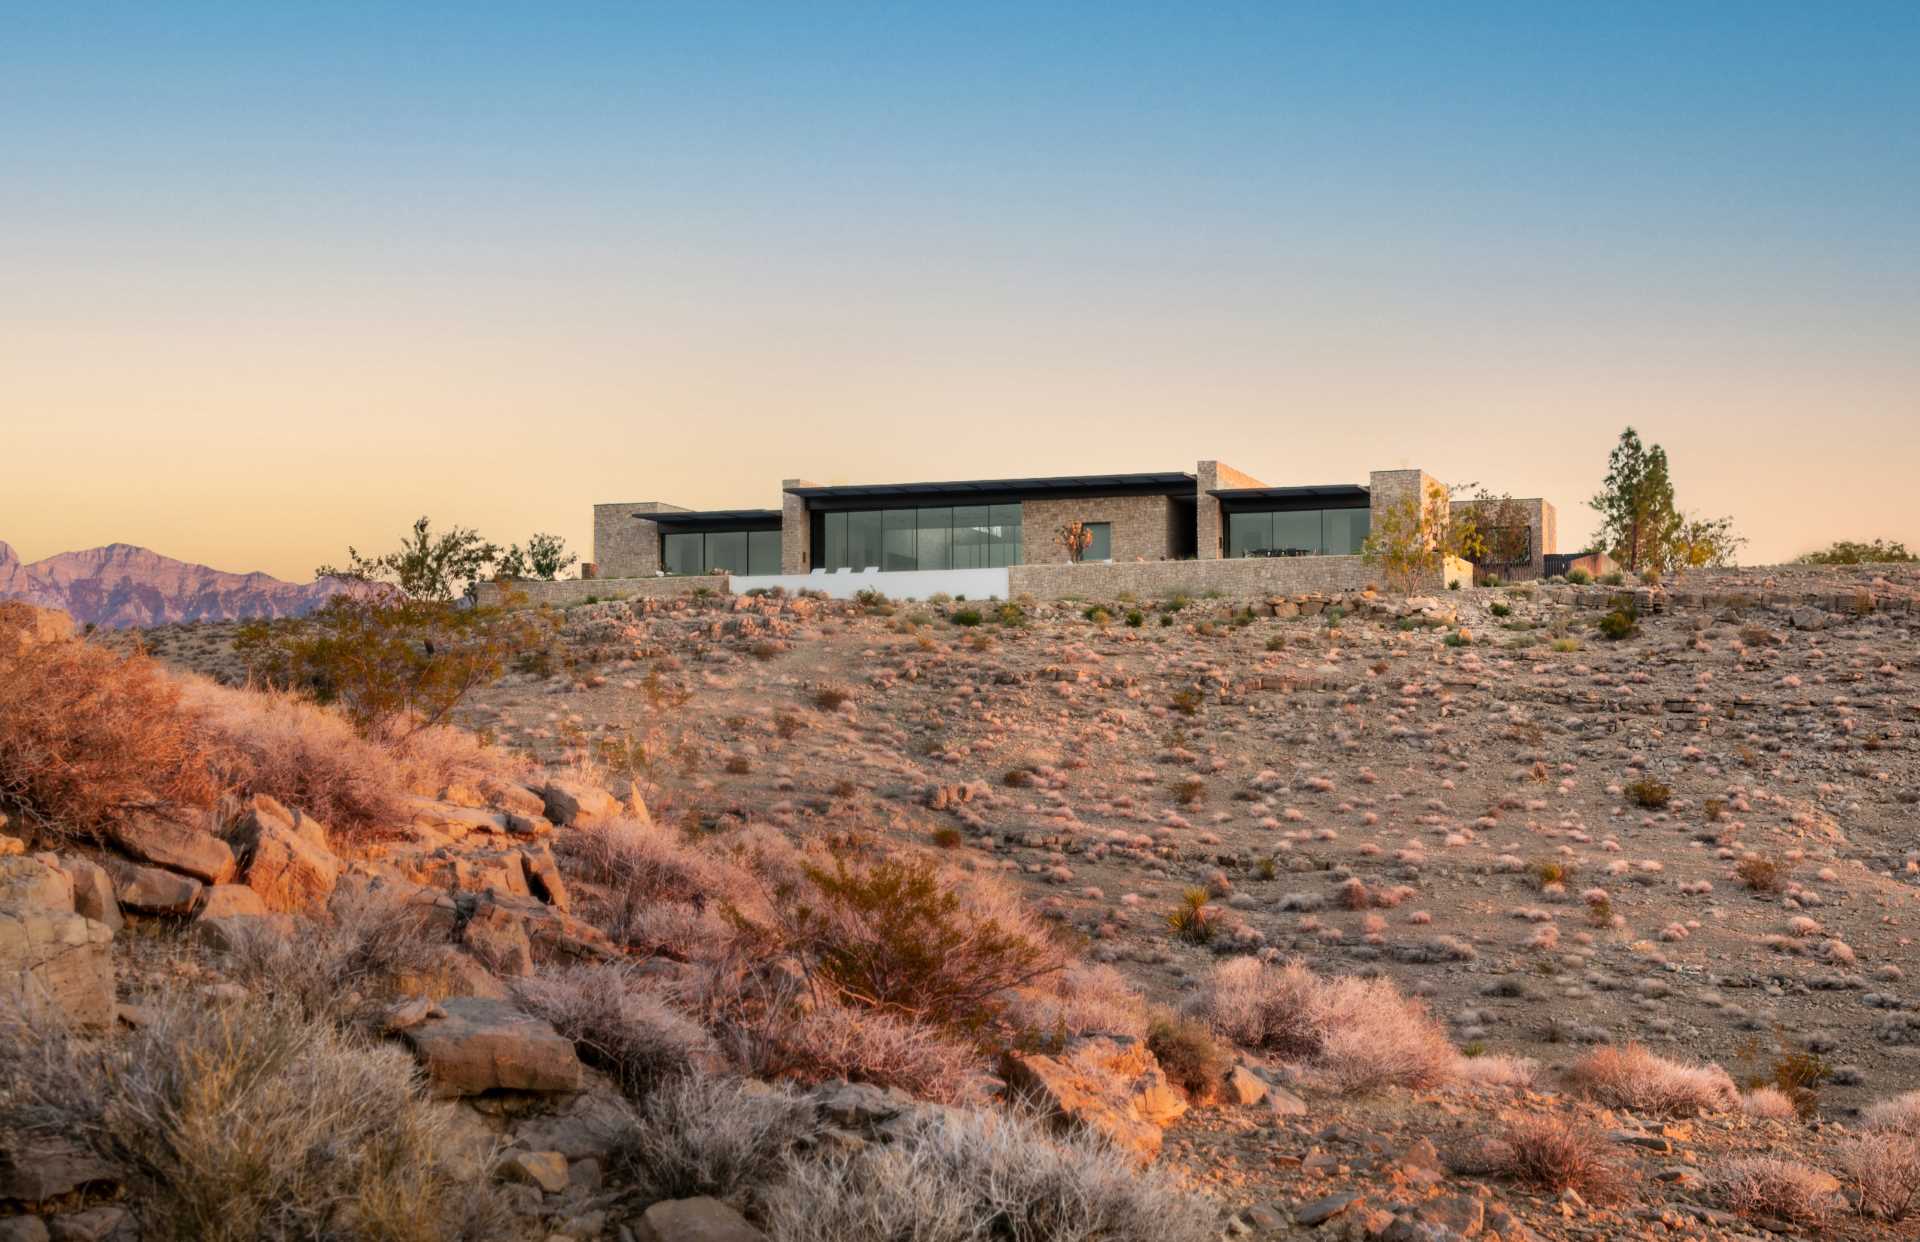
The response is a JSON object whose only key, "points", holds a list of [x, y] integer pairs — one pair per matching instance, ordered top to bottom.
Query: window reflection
{"points": [[1298, 532], [933, 537]]}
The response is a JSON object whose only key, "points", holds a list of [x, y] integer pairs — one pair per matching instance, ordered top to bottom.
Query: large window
{"points": [[1298, 532], [943, 537], [1099, 542], [735, 551]]}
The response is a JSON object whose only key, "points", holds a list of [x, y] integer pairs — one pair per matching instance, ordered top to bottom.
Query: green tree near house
{"points": [[1642, 528], [1855, 552], [545, 557], [426, 566]]}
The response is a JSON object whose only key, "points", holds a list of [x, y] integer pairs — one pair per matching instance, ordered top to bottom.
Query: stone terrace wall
{"points": [[1247, 578], [576, 590]]}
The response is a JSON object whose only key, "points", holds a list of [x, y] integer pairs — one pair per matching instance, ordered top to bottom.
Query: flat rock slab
{"points": [[151, 838], [149, 890], [59, 958], [476, 1045], [694, 1220]]}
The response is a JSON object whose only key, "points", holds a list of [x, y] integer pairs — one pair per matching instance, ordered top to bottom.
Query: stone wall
{"points": [[1142, 526], [1209, 527], [1543, 528], [796, 529], [626, 546], [1248, 578], [576, 590]]}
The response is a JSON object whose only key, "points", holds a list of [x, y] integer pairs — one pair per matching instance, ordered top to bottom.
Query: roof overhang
{"points": [[984, 491], [1325, 491], [716, 519]]}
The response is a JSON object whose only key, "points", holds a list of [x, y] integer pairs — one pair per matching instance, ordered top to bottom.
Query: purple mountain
{"points": [[121, 585]]}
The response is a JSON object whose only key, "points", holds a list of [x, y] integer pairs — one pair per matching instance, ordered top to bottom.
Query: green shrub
{"points": [[1579, 577], [1616, 578], [1500, 610], [968, 617], [1135, 618], [1618, 624], [1187, 702], [1649, 793], [1192, 919], [1193, 1059]]}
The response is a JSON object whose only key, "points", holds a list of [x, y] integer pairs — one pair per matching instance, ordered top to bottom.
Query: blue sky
{"points": [[382, 253]]}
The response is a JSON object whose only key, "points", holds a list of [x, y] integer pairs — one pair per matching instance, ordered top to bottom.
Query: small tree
{"points": [[1637, 517], [1505, 529], [1075, 538], [1412, 540], [1702, 543], [1853, 552], [545, 558], [427, 566], [393, 666]]}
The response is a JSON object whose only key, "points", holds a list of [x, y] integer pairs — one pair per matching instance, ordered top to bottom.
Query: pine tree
{"points": [[1637, 516]]}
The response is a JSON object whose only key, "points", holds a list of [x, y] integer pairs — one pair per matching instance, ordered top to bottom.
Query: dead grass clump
{"points": [[831, 698], [86, 733], [367, 948], [1080, 1000], [618, 1025], [1362, 1034], [828, 1041], [1496, 1070], [1630, 1077], [1769, 1104], [1900, 1115], [234, 1123], [712, 1136], [1561, 1153], [1885, 1168], [967, 1176], [1769, 1186]]}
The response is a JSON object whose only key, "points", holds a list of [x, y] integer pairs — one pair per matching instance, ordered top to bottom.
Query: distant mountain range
{"points": [[120, 586]]}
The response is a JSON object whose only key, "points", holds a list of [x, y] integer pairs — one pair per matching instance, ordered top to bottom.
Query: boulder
{"points": [[28, 625], [576, 804], [150, 837], [287, 860], [543, 877], [149, 890], [92, 891], [228, 900], [228, 933], [497, 937], [47, 951], [478, 1045], [1109, 1085], [1242, 1086], [36, 1168], [545, 1169], [694, 1220], [107, 1223], [22, 1229]]}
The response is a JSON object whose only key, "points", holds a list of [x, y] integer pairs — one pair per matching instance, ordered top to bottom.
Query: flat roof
{"points": [[1170, 479], [1319, 491], [712, 517]]}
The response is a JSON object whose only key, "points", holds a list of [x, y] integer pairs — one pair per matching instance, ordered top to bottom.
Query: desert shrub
{"points": [[1579, 577], [1616, 578], [873, 600], [968, 617], [1135, 618], [1618, 624], [1565, 645], [392, 665], [831, 698], [1187, 702], [86, 734], [308, 756], [1017, 778], [1189, 790], [1649, 793], [947, 837], [1547, 871], [1761, 874], [900, 934], [366, 948], [1082, 999], [618, 1025], [1361, 1034], [827, 1041], [1193, 1059], [1481, 1068], [1630, 1077], [1796, 1077], [1768, 1103], [1900, 1115], [240, 1122], [711, 1136], [1559, 1153], [1885, 1169], [971, 1176], [1769, 1186]]}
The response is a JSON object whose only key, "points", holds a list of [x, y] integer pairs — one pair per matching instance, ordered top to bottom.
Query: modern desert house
{"points": [[1211, 528]]}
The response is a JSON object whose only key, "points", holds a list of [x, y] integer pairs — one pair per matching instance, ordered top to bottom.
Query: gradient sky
{"points": [[276, 277]]}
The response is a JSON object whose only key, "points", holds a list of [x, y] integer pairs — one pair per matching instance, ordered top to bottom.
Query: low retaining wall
{"points": [[1248, 578], [580, 590]]}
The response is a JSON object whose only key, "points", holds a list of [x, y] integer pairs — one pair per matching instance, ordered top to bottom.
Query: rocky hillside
{"points": [[120, 585]]}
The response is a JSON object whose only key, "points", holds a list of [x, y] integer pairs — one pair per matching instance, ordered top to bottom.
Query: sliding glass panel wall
{"points": [[1297, 532], [936, 537], [734, 551]]}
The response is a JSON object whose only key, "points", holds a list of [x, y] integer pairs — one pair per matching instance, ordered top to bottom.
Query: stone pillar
{"points": [[796, 529], [1210, 530], [625, 543]]}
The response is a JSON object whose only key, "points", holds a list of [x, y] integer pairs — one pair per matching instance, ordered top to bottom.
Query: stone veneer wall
{"points": [[1543, 524], [1142, 526], [1209, 528], [796, 530], [625, 546], [1242, 578], [576, 590]]}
